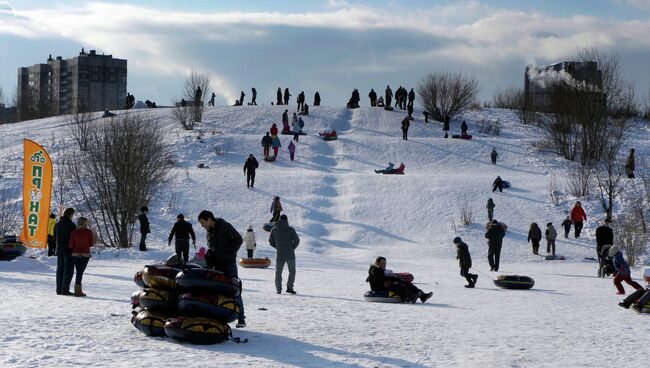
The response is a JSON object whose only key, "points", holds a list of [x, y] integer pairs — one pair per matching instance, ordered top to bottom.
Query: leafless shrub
{"points": [[193, 82], [447, 95], [183, 116], [79, 125], [126, 164], [609, 175], [579, 180], [554, 193], [10, 211], [465, 213], [630, 239]]}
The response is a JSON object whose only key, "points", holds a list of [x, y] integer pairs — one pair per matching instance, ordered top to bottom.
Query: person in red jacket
{"points": [[274, 130], [578, 216], [81, 239]]}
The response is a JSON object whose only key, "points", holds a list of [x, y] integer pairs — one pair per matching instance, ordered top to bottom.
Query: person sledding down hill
{"points": [[328, 134], [391, 169], [381, 282]]}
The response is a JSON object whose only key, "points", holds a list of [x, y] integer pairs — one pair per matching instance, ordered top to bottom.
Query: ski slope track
{"points": [[346, 215]]}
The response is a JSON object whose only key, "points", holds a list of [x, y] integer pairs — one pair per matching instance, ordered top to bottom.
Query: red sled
{"points": [[467, 136]]}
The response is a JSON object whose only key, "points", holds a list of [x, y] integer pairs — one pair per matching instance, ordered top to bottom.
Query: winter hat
{"points": [[180, 216], [495, 221], [549, 224], [250, 227], [458, 240], [613, 250]]}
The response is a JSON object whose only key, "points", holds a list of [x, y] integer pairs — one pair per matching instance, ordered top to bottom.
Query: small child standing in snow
{"points": [[292, 150], [566, 224], [551, 235], [534, 236], [249, 241], [465, 262]]}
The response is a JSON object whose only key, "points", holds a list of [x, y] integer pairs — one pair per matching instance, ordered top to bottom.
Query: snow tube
{"points": [[458, 136], [329, 137], [269, 158], [506, 184], [268, 226], [9, 251], [554, 258], [255, 262], [405, 276], [160, 277], [137, 278], [204, 280], [514, 282], [381, 297], [135, 299], [158, 300], [214, 306], [646, 308], [150, 323], [197, 330]]}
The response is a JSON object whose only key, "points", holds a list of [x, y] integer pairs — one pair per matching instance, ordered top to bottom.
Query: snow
{"points": [[346, 215]]}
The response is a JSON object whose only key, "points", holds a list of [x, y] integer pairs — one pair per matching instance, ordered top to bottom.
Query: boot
{"points": [[78, 291]]}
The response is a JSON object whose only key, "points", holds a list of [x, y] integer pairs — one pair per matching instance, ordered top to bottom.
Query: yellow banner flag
{"points": [[37, 192]]}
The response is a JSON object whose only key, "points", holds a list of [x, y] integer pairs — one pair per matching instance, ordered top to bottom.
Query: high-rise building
{"points": [[88, 81]]}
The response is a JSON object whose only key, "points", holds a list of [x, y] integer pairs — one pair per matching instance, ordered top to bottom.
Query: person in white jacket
{"points": [[249, 241]]}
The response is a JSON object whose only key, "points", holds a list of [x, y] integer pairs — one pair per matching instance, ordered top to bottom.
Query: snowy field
{"points": [[346, 215]]}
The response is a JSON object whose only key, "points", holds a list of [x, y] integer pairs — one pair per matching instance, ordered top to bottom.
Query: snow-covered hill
{"points": [[346, 215]]}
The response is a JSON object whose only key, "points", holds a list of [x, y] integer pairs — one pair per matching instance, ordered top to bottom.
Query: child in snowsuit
{"points": [[296, 131], [267, 141], [276, 145], [292, 150], [493, 156], [498, 184], [566, 224], [535, 235], [551, 235], [249, 241], [465, 262], [622, 271], [641, 297]]}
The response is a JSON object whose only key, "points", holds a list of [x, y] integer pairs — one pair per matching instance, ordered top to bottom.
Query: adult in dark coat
{"points": [[287, 95], [197, 96], [388, 96], [411, 97], [241, 98], [254, 98], [373, 98], [316, 99], [278, 100], [301, 100], [406, 123], [445, 127], [463, 128], [266, 143], [494, 155], [629, 164], [249, 170], [497, 184], [490, 209], [144, 227], [183, 231], [495, 234], [535, 236], [604, 236], [285, 240], [223, 243], [465, 262], [64, 264], [381, 281]]}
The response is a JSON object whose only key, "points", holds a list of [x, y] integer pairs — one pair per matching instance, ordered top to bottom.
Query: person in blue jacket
{"points": [[621, 271]]}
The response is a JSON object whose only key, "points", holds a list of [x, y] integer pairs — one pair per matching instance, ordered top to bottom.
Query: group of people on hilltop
{"points": [[403, 99], [240, 102]]}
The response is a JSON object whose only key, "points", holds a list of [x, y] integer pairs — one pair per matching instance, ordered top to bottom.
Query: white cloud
{"points": [[168, 43]]}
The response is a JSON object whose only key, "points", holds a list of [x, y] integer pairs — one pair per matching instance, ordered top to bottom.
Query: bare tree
{"points": [[194, 82], [446, 95], [2, 96], [646, 106], [588, 115], [184, 116], [79, 124], [126, 164], [609, 175], [579, 180], [554, 193], [9, 206], [466, 214], [631, 241]]}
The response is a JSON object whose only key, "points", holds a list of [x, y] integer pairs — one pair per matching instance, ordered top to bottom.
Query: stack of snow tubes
{"points": [[10, 248], [191, 303]]}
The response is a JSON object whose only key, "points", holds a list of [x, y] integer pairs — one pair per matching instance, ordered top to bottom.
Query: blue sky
{"points": [[330, 46]]}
